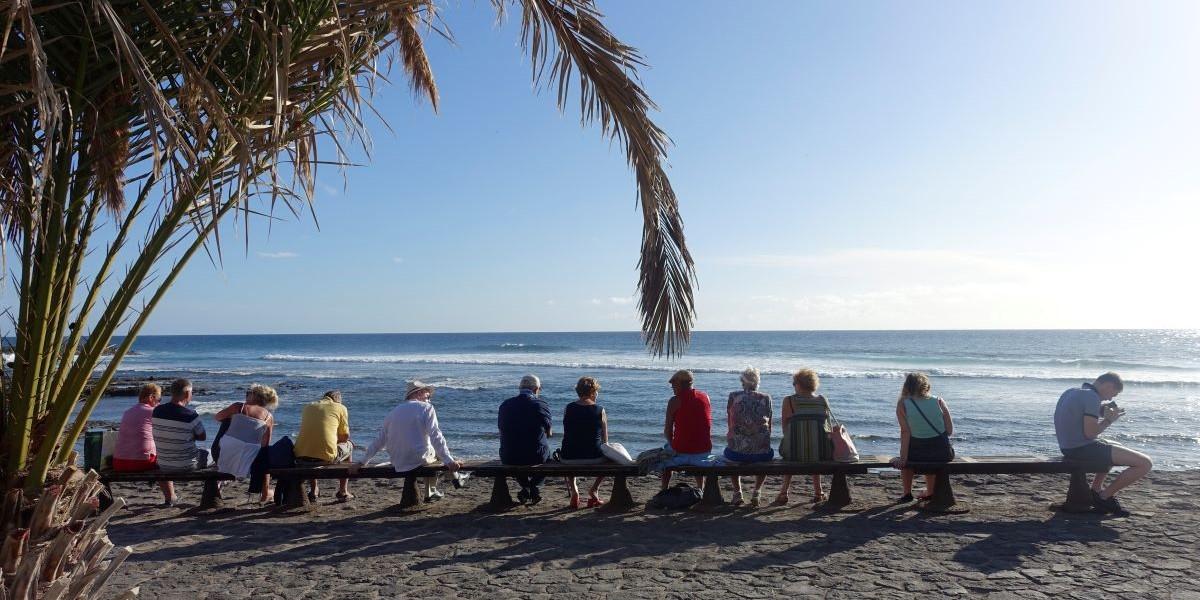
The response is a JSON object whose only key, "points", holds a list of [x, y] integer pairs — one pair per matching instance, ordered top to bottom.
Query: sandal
{"points": [[346, 497], [818, 498], [905, 499], [781, 500], [594, 502], [575, 503]]}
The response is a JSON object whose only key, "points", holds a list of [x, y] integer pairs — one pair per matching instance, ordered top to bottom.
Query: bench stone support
{"points": [[293, 492], [712, 492], [839, 492], [943, 495], [210, 496], [1079, 497], [408, 498], [501, 498], [621, 499]]}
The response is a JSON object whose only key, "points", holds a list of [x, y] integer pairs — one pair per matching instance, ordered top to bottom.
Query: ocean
{"points": [[1001, 386]]}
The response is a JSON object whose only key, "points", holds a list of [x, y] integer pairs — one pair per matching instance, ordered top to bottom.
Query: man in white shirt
{"points": [[411, 435]]}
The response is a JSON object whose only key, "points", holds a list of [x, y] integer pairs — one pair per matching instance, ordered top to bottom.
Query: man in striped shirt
{"points": [[176, 430]]}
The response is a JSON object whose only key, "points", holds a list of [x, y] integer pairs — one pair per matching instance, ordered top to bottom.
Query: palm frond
{"points": [[566, 38]]}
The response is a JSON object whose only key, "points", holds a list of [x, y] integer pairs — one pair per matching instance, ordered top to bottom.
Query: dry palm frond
{"points": [[412, 51]]}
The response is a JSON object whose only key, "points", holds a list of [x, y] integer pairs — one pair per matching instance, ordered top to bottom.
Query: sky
{"points": [[861, 165]]}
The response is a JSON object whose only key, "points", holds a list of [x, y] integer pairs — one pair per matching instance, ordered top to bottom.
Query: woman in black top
{"points": [[585, 428]]}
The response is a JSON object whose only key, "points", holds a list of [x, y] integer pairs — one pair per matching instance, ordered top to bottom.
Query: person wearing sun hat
{"points": [[412, 438]]}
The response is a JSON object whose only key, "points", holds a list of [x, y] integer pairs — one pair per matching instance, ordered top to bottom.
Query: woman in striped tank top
{"points": [[805, 430]]}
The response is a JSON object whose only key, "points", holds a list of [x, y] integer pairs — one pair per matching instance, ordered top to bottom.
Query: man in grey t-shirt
{"points": [[1079, 418]]}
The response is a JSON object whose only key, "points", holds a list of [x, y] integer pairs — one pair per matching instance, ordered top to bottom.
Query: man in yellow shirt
{"points": [[325, 438]]}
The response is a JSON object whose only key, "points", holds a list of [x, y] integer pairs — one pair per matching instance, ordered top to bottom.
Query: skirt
{"points": [[934, 449]]}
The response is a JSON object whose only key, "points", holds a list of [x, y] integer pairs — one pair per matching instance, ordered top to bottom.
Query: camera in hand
{"points": [[1112, 404]]}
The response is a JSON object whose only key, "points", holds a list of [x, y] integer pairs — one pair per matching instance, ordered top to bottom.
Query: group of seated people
{"points": [[154, 435]]}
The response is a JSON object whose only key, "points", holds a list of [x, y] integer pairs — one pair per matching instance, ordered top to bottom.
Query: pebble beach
{"points": [[1009, 545]]}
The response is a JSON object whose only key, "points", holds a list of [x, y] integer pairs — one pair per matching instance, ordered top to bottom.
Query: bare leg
{"points": [[1137, 466], [906, 478], [666, 479], [759, 480], [1098, 480], [930, 481], [699, 482], [737, 484], [344, 487], [313, 488], [595, 488], [574, 489], [168, 490], [817, 495], [267, 496], [783, 497]]}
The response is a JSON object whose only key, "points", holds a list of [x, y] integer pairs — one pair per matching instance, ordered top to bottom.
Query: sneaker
{"points": [[458, 479], [434, 494], [523, 495], [755, 498], [905, 499], [168, 503], [1113, 507]]}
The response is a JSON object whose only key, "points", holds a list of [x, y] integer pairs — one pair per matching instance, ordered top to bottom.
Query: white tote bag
{"points": [[617, 453]]}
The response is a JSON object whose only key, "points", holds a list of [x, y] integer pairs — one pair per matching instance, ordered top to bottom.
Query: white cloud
{"points": [[277, 255], [398, 259], [621, 300], [596, 301]]}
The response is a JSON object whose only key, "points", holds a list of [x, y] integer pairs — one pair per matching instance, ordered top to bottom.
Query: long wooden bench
{"points": [[291, 480], [839, 489], [1078, 495], [210, 497], [619, 500]]}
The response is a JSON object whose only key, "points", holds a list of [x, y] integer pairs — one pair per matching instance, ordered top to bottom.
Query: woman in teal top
{"points": [[925, 430]]}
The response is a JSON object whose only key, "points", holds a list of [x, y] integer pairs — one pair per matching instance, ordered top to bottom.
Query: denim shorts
{"points": [[703, 459]]}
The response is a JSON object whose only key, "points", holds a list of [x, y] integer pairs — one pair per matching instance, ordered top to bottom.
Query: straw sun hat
{"points": [[416, 386]]}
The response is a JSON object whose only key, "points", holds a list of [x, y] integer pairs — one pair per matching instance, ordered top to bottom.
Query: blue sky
{"points": [[839, 166]]}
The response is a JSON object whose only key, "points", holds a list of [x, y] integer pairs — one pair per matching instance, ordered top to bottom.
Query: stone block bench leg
{"points": [[293, 492], [712, 492], [839, 492], [210, 496], [943, 496], [1079, 497], [408, 498], [501, 498], [621, 499]]}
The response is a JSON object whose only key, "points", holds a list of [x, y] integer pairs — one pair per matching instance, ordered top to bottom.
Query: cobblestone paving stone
{"points": [[1010, 545]]}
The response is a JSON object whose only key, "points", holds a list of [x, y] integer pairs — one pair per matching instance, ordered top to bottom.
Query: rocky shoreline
{"points": [[1010, 545]]}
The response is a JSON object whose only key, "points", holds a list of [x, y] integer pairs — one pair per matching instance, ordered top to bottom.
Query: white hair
{"points": [[750, 379], [531, 383]]}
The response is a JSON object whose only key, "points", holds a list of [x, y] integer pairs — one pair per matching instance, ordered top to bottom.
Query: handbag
{"points": [[843, 446], [617, 453]]}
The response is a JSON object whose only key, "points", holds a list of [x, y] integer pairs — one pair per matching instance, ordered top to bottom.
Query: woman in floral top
{"points": [[749, 433]]}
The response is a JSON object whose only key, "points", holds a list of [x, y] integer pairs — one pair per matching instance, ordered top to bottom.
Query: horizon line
{"points": [[636, 332]]}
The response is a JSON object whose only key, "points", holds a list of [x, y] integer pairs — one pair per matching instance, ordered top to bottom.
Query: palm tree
{"points": [[130, 130]]}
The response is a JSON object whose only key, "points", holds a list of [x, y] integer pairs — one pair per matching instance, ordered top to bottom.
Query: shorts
{"points": [[344, 451], [1098, 451], [739, 457], [702, 459], [134, 465]]}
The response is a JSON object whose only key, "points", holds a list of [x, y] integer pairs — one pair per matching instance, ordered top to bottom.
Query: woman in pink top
{"points": [[135, 439]]}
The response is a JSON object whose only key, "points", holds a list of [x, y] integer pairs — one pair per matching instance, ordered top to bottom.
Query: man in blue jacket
{"points": [[524, 423]]}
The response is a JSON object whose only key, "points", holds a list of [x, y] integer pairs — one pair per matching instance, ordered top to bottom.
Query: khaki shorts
{"points": [[345, 451]]}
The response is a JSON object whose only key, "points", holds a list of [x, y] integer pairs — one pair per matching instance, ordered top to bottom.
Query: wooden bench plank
{"points": [[782, 467], [496, 468], [210, 496], [1078, 497]]}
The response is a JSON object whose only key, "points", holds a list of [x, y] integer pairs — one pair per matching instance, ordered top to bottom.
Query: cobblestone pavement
{"points": [[1010, 545]]}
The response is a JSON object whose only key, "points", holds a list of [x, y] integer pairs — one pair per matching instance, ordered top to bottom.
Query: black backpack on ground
{"points": [[677, 497]]}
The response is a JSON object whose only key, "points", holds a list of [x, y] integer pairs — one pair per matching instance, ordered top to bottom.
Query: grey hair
{"points": [[750, 379], [531, 383]]}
